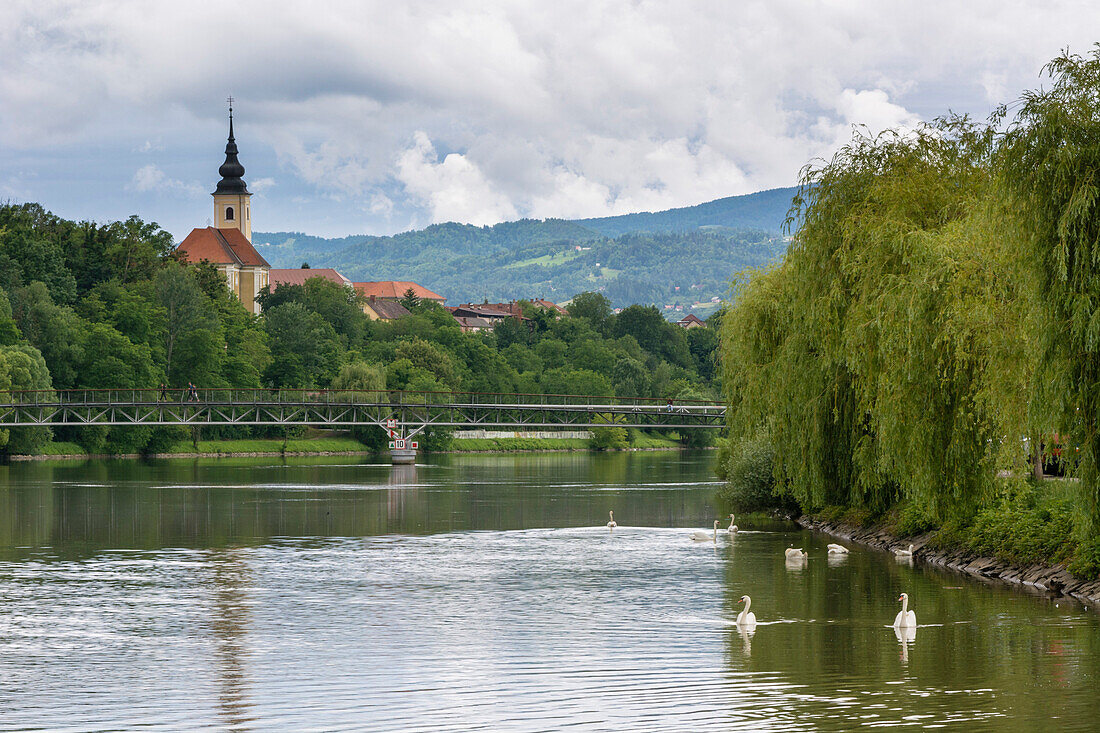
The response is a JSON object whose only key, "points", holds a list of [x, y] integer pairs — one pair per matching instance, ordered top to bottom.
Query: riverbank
{"points": [[335, 446], [1054, 579]]}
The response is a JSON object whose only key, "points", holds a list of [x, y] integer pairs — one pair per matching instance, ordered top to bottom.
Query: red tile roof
{"points": [[222, 247], [299, 275], [395, 290], [551, 305], [691, 319]]}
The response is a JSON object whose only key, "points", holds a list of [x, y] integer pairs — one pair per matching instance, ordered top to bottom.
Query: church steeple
{"points": [[231, 170], [231, 210]]}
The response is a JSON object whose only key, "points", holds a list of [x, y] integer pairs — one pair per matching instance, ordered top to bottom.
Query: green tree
{"points": [[1049, 169], [593, 306], [56, 331], [9, 332], [194, 343], [305, 349], [111, 360], [23, 368], [360, 376]]}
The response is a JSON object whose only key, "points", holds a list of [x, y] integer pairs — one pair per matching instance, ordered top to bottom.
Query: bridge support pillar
{"points": [[401, 456]]}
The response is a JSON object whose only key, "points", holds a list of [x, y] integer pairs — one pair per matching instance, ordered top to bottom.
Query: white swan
{"points": [[611, 525], [732, 529], [701, 536], [837, 549], [794, 553], [904, 553], [746, 617], [905, 619]]}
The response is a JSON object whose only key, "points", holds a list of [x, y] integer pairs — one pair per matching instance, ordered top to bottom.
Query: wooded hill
{"points": [[679, 256]]}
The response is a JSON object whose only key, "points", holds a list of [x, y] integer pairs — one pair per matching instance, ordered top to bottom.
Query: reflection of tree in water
{"points": [[229, 623]]}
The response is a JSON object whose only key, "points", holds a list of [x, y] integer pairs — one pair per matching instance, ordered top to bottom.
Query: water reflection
{"points": [[486, 592], [229, 623], [905, 636]]}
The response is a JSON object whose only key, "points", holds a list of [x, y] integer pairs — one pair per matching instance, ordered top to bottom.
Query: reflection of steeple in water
{"points": [[403, 479], [229, 623]]}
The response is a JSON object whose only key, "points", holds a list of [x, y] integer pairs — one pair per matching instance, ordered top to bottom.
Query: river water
{"points": [[485, 593]]}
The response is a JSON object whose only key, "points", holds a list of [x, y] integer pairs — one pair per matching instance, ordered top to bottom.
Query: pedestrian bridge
{"points": [[403, 414]]}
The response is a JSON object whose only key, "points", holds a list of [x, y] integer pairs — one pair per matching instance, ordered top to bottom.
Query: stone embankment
{"points": [[1050, 579]]}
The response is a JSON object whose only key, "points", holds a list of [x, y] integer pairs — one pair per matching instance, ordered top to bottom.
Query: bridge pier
{"points": [[402, 456]]}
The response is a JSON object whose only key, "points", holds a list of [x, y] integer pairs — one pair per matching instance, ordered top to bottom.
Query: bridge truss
{"points": [[403, 414]]}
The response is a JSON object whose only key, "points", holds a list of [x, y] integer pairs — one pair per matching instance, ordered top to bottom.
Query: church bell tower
{"points": [[231, 210]]}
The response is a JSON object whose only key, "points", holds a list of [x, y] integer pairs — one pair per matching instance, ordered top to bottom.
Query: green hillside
{"points": [[762, 210], [676, 257]]}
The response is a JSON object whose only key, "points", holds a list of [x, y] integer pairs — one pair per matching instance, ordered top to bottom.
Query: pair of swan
{"points": [[701, 536], [797, 553], [905, 619]]}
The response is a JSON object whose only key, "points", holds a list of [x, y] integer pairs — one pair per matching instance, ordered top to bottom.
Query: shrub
{"points": [[607, 437], [750, 476]]}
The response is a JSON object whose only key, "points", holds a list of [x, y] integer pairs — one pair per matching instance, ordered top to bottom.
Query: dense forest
{"points": [[676, 257], [90, 305], [933, 329]]}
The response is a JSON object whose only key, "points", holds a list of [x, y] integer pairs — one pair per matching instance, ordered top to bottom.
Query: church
{"points": [[228, 244]]}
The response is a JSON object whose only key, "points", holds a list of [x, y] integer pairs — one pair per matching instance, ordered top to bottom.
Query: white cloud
{"points": [[578, 107], [151, 179], [259, 185], [453, 189]]}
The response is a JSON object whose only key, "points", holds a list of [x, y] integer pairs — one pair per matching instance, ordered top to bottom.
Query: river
{"points": [[485, 593]]}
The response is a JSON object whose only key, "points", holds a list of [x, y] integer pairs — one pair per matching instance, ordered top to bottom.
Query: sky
{"points": [[366, 117]]}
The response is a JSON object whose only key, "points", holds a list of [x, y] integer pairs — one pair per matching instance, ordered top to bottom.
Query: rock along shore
{"points": [[1051, 579]]}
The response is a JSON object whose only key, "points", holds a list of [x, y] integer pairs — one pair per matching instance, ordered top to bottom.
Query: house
{"points": [[228, 244], [299, 275], [395, 290], [550, 306], [384, 310], [488, 312], [690, 321], [473, 324]]}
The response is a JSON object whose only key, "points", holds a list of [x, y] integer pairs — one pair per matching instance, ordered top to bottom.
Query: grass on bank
{"points": [[336, 443], [270, 445], [1024, 522], [1027, 522]]}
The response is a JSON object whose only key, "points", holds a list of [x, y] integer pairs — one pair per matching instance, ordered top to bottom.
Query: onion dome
{"points": [[231, 170]]}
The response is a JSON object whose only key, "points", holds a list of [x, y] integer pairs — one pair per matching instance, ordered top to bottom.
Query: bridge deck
{"points": [[346, 408]]}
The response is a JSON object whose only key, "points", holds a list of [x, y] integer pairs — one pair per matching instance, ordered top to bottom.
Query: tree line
{"points": [[86, 305], [935, 322]]}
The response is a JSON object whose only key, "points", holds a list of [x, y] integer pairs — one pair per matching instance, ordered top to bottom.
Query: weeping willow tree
{"points": [[1049, 173], [886, 355]]}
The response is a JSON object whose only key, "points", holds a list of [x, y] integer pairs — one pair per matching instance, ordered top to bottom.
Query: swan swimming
{"points": [[611, 525], [732, 529], [700, 536], [837, 549], [794, 553], [904, 553], [746, 617], [905, 619]]}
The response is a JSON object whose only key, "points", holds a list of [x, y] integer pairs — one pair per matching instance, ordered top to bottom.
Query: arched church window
{"points": [[229, 213]]}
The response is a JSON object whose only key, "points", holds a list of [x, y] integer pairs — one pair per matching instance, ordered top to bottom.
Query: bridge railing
{"points": [[391, 398]]}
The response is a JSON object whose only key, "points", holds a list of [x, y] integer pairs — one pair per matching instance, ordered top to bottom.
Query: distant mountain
{"points": [[762, 210], [676, 258]]}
